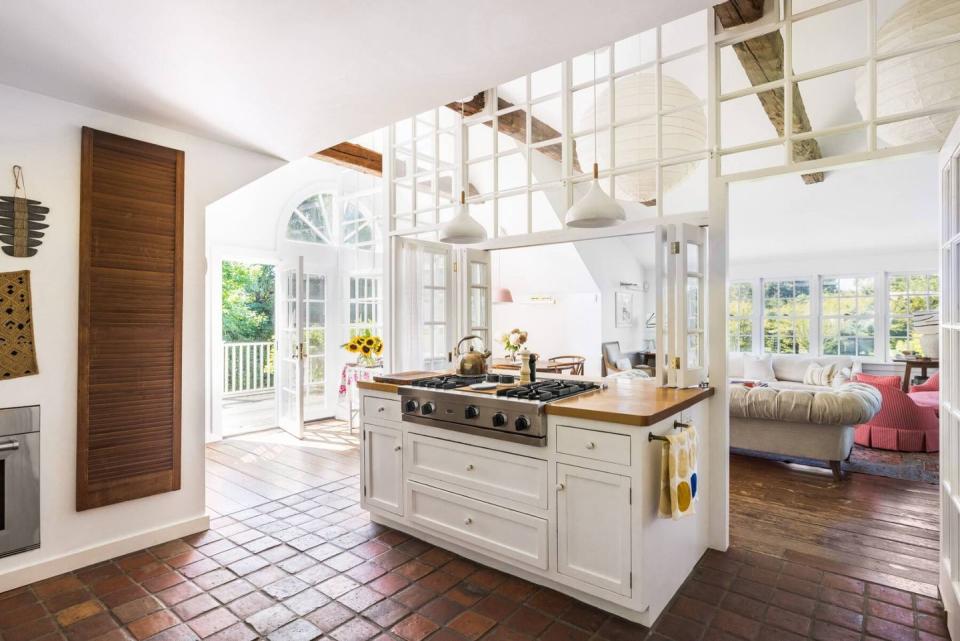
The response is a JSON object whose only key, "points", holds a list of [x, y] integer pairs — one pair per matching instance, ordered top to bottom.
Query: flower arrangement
{"points": [[513, 340], [367, 346]]}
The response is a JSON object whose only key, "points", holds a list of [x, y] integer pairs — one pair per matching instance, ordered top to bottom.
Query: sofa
{"points": [[789, 369], [801, 423]]}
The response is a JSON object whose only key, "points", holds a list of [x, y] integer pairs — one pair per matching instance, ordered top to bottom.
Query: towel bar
{"points": [[676, 425]]}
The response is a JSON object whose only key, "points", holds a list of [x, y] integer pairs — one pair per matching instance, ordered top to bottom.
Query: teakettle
{"points": [[471, 362]]}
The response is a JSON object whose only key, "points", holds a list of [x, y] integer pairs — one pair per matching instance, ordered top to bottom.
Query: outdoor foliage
{"points": [[248, 295]]}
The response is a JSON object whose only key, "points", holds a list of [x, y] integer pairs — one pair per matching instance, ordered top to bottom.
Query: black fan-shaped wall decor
{"points": [[21, 220]]}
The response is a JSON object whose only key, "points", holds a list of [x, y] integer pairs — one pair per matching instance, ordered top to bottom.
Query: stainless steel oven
{"points": [[19, 479]]}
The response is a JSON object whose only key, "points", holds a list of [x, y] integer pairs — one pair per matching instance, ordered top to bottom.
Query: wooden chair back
{"points": [[575, 363]]}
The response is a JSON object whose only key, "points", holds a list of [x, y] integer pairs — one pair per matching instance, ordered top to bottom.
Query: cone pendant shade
{"points": [[596, 208], [463, 229]]}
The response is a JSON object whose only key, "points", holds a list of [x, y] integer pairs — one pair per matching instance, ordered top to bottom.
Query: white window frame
{"points": [[375, 302], [873, 316], [889, 316], [751, 317], [813, 336]]}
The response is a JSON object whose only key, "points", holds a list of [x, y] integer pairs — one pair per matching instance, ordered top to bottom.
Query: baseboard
{"points": [[47, 568]]}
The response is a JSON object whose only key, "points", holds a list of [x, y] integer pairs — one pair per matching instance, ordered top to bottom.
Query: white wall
{"points": [[43, 136]]}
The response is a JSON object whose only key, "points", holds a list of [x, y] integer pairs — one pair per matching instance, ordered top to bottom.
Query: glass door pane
{"points": [[289, 344], [315, 352]]}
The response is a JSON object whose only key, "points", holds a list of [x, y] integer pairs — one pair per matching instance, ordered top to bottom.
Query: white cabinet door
{"points": [[383, 468], [593, 523]]}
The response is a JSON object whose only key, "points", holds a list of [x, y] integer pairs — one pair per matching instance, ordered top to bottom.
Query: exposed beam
{"points": [[763, 62], [370, 161]]}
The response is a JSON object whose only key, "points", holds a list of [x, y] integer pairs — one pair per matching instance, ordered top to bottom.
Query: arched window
{"points": [[312, 220], [357, 224]]}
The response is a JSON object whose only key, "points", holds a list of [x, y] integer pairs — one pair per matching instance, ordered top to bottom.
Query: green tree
{"points": [[248, 302]]}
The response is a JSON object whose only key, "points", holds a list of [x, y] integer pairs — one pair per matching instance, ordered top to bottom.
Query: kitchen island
{"points": [[572, 506]]}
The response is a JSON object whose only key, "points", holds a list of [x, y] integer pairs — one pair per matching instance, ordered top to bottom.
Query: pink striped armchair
{"points": [[901, 424]]}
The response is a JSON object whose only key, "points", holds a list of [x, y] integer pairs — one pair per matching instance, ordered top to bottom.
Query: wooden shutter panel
{"points": [[131, 278]]}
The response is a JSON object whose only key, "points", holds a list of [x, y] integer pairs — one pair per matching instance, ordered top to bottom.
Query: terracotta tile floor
{"points": [[311, 565]]}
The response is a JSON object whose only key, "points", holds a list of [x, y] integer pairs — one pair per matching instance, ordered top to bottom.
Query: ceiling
{"points": [[289, 77]]}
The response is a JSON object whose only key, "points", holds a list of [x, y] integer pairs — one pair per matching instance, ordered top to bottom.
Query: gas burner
{"points": [[448, 382], [549, 390]]}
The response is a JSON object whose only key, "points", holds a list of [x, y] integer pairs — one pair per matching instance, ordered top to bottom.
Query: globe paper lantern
{"points": [[919, 80], [684, 132]]}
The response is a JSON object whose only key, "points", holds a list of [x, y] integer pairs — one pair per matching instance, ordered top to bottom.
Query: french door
{"points": [[430, 280], [681, 304], [290, 339], [301, 368], [950, 380]]}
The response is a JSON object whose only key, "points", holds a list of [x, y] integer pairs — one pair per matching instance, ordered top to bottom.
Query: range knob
{"points": [[412, 405], [428, 407], [471, 411], [499, 419], [522, 423]]}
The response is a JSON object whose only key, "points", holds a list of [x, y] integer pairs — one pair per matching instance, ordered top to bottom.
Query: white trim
{"points": [[32, 572]]}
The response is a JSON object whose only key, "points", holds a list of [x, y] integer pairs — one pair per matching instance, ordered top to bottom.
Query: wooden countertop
{"points": [[627, 401]]}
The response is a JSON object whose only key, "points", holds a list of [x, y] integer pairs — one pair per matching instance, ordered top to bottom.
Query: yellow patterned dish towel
{"points": [[678, 474]]}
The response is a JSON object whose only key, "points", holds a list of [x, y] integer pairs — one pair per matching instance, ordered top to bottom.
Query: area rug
{"points": [[17, 355], [908, 466]]}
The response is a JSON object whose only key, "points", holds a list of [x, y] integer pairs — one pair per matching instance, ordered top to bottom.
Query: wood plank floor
{"points": [[246, 471], [867, 527]]}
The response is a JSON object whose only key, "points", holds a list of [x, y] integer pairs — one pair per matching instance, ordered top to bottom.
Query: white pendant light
{"points": [[596, 208], [462, 229]]}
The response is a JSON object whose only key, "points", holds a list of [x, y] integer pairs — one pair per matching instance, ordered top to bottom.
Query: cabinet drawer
{"points": [[381, 408], [600, 446], [499, 474], [488, 528]]}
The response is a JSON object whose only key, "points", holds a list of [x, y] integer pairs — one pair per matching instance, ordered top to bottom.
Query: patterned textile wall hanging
{"points": [[21, 220], [17, 355]]}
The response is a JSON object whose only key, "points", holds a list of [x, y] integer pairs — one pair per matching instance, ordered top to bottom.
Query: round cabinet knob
{"points": [[411, 405], [428, 407], [381, 409], [472, 411], [499, 419], [522, 423], [591, 445], [397, 448], [469, 467], [560, 487], [467, 521]]}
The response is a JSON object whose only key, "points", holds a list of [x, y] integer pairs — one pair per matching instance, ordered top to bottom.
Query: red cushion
{"points": [[877, 380], [926, 399]]}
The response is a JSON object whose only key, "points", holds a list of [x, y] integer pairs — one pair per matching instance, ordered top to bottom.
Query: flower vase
{"points": [[366, 361]]}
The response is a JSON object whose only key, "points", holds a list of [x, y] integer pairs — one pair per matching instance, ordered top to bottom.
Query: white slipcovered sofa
{"points": [[789, 370], [801, 423]]}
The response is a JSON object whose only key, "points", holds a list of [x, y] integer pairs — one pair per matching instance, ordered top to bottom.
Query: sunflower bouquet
{"points": [[367, 346]]}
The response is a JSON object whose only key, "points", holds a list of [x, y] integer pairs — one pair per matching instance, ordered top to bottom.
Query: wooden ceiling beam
{"points": [[763, 61], [370, 161]]}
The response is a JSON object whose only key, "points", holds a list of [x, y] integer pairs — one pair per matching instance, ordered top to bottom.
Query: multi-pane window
{"points": [[636, 107], [312, 220], [909, 294], [364, 305], [433, 311], [786, 316], [848, 316], [740, 320], [315, 328]]}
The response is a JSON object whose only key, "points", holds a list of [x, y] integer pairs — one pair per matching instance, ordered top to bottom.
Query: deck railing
{"points": [[247, 367]]}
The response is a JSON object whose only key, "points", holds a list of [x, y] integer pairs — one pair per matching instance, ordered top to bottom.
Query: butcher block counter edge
{"points": [[625, 401]]}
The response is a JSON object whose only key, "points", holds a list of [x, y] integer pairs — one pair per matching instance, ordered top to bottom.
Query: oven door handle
{"points": [[9, 446]]}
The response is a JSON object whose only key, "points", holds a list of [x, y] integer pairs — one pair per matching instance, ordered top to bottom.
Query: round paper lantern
{"points": [[917, 81], [684, 132]]}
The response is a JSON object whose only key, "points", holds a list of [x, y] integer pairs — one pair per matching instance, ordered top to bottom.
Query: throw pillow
{"points": [[624, 363], [758, 368], [821, 375], [842, 376], [877, 381]]}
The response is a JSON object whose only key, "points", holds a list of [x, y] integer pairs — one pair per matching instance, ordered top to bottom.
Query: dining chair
{"points": [[574, 363]]}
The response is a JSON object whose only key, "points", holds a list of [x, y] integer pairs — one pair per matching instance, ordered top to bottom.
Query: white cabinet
{"points": [[383, 468], [593, 526]]}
